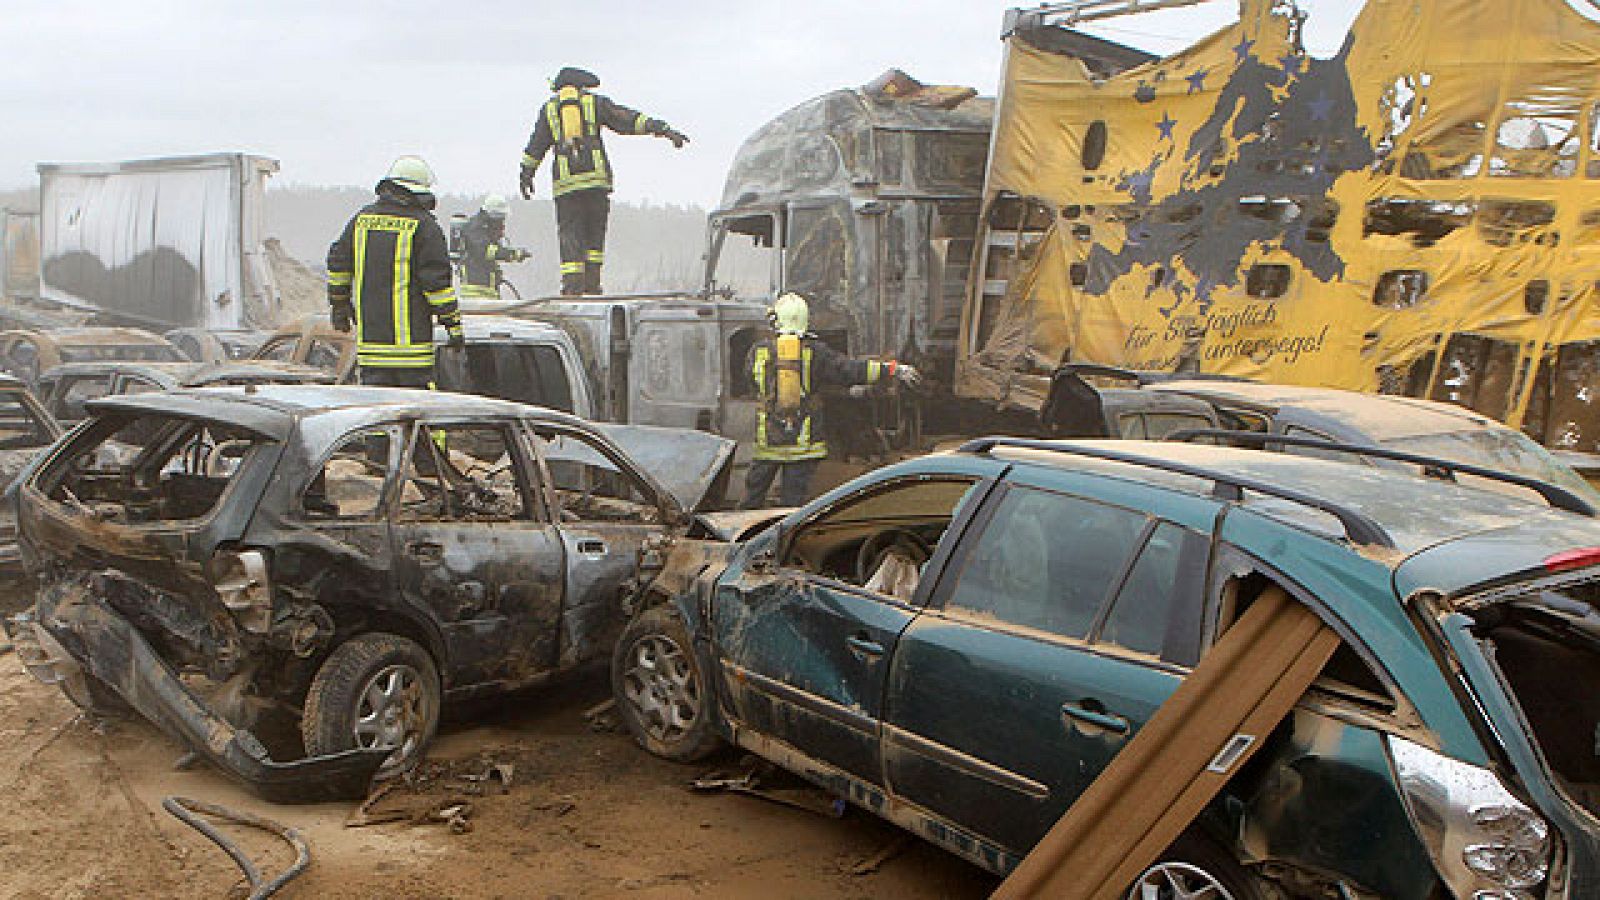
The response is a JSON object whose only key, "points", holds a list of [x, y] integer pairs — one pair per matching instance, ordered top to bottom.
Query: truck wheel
{"points": [[375, 690], [661, 693], [1198, 868]]}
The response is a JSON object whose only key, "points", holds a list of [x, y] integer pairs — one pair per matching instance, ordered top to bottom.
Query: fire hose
{"points": [[189, 812]]}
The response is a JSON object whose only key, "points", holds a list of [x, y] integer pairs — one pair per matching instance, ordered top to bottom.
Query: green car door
{"points": [[1049, 642]]}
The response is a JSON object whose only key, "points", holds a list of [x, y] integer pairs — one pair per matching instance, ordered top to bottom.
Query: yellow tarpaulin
{"points": [[1418, 214]]}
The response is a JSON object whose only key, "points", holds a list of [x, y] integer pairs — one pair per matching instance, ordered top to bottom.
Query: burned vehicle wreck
{"points": [[293, 580]]}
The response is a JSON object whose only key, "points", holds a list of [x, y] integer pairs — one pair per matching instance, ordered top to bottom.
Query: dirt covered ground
{"points": [[587, 815]]}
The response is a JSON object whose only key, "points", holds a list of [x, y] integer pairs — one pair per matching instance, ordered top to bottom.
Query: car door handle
{"points": [[592, 548], [427, 552], [862, 644], [1095, 714]]}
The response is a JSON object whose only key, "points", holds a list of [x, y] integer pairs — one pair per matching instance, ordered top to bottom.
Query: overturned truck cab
{"points": [[292, 581]]}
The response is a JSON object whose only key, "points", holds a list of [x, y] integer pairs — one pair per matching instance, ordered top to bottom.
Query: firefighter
{"points": [[570, 123], [483, 249], [389, 278], [787, 369]]}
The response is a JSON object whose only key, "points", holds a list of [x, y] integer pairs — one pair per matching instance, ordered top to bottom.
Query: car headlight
{"points": [[1486, 844]]}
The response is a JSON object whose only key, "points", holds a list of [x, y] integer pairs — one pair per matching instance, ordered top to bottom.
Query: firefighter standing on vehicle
{"points": [[569, 123], [483, 248], [389, 278], [787, 370]]}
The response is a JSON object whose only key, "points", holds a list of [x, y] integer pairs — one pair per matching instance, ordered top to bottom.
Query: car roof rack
{"points": [[1141, 377], [1555, 495], [1359, 527]]}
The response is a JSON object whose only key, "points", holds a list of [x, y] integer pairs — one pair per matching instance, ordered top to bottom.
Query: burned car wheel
{"points": [[375, 690], [660, 690], [1195, 869]]}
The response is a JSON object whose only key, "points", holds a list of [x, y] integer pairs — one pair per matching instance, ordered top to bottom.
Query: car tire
{"points": [[374, 690], [662, 696], [1197, 867]]}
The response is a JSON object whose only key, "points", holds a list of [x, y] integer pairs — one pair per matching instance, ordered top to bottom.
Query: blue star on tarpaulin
{"points": [[1241, 50], [1290, 63], [1197, 81], [1321, 109], [1166, 125]]}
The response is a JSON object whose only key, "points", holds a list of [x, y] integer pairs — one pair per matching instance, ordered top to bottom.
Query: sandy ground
{"points": [[588, 815]]}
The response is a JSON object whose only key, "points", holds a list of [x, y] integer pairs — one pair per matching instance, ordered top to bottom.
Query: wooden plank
{"points": [[1178, 762]]}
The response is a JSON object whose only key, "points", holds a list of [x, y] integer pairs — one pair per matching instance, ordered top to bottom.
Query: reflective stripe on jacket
{"points": [[580, 161], [483, 248], [392, 263]]}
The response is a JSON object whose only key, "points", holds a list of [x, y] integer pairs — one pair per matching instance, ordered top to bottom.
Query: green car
{"points": [[961, 643]]}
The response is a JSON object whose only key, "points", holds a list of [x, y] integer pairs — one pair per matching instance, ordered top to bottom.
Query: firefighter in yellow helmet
{"points": [[570, 123], [484, 248], [389, 278], [788, 369]]}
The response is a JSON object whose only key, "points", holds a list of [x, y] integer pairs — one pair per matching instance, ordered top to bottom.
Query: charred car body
{"points": [[225, 559]]}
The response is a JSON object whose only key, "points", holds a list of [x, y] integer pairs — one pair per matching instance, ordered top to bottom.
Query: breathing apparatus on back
{"points": [[790, 319]]}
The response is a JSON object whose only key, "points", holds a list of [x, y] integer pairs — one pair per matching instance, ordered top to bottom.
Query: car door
{"points": [[607, 514], [474, 548], [805, 640], [1001, 706]]}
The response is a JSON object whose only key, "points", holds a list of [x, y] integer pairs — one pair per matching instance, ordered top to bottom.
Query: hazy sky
{"points": [[334, 90]]}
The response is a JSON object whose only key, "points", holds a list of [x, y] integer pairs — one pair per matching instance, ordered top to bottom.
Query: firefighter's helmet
{"points": [[411, 173], [496, 206], [790, 314]]}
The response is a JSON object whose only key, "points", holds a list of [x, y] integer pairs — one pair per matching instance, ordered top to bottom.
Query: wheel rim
{"points": [[659, 684], [391, 713], [1178, 881]]}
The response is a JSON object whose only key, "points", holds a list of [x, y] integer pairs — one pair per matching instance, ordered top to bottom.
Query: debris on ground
{"points": [[602, 716], [760, 779], [440, 791]]}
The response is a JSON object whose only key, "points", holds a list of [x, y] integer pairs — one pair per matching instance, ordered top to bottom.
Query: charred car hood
{"points": [[690, 465], [739, 525]]}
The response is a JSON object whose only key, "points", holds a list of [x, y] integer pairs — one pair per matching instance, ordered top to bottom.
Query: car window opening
{"points": [[152, 469], [462, 473], [590, 486], [882, 540], [1544, 643]]}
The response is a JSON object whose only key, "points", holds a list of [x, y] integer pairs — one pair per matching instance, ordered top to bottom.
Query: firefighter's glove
{"points": [[677, 137], [525, 181], [342, 315], [457, 339], [907, 375], [859, 391]]}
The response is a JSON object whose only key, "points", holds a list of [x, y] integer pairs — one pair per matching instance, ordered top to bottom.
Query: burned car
{"points": [[27, 352], [65, 389], [26, 429], [343, 559], [964, 643]]}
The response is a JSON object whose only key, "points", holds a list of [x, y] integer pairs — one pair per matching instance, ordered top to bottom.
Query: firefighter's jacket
{"points": [[570, 123], [483, 249], [393, 263], [791, 434]]}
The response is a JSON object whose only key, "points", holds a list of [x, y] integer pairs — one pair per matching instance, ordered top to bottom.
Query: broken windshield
{"points": [[1503, 449]]}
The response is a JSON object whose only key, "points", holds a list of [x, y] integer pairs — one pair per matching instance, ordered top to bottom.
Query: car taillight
{"points": [[1568, 560]]}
